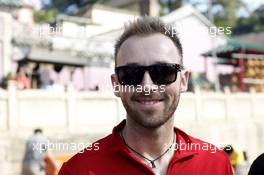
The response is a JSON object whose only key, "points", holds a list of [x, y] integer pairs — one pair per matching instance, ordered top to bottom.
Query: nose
{"points": [[147, 80], [147, 83]]}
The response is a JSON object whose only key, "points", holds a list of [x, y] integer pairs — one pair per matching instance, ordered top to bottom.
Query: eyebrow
{"points": [[156, 62], [163, 62], [132, 64]]}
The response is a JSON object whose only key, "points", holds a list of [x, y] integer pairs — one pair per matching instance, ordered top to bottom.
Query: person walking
{"points": [[36, 146]]}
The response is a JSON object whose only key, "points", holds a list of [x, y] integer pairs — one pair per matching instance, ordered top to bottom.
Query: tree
{"points": [[62, 5], [167, 6], [225, 12], [47, 15], [253, 23]]}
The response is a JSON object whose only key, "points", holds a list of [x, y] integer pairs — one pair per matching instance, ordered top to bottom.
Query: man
{"points": [[148, 67], [36, 146]]}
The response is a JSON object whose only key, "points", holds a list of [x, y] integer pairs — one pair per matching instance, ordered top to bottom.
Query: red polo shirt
{"points": [[110, 156]]}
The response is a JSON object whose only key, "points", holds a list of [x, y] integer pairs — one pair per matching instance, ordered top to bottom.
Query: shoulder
{"points": [[203, 148], [210, 150], [96, 152], [205, 152], [210, 158]]}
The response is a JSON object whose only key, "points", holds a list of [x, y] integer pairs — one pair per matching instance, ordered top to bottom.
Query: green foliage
{"points": [[58, 3], [61, 4], [169, 6], [225, 12], [45, 15], [253, 23], [5, 79]]}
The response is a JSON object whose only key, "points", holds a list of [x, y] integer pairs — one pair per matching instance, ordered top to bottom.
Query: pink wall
{"points": [[98, 76], [87, 78]]}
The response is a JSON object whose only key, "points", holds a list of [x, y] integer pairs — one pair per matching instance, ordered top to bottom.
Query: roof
{"points": [[119, 3], [86, 10], [184, 12], [176, 15], [75, 19], [257, 38], [236, 47], [55, 57], [64, 57]]}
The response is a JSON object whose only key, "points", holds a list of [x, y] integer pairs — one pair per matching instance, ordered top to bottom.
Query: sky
{"points": [[253, 4]]}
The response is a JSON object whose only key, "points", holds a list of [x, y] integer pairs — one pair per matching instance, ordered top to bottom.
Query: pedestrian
{"points": [[36, 146]]}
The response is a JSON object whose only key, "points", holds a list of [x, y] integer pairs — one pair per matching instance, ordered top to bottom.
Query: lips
{"points": [[149, 102]]}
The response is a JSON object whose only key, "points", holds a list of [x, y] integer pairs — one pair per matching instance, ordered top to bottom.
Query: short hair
{"points": [[145, 26], [38, 130]]}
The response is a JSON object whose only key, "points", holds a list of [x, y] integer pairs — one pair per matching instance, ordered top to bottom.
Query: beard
{"points": [[151, 118]]}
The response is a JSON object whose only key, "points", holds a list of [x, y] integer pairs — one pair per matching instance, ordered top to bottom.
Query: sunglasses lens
{"points": [[163, 74], [130, 75]]}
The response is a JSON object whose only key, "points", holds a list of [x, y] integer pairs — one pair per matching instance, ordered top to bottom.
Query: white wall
{"points": [[220, 118]]}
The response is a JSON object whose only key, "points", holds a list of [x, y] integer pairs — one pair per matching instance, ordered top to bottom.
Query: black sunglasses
{"points": [[161, 74]]}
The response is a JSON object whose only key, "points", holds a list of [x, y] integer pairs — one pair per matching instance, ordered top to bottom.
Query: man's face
{"points": [[154, 108]]}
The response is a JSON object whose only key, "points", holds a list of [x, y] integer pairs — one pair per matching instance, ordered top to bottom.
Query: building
{"points": [[197, 34], [88, 42], [74, 46]]}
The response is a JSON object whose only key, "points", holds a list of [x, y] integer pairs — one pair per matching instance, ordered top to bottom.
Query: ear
{"points": [[184, 80], [115, 85]]}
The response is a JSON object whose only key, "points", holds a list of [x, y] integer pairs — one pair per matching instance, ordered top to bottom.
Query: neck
{"points": [[150, 142]]}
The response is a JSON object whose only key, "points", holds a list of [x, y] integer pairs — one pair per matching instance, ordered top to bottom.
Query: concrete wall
{"points": [[71, 111], [220, 118]]}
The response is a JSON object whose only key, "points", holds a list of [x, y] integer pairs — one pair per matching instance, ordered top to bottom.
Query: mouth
{"points": [[149, 102]]}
